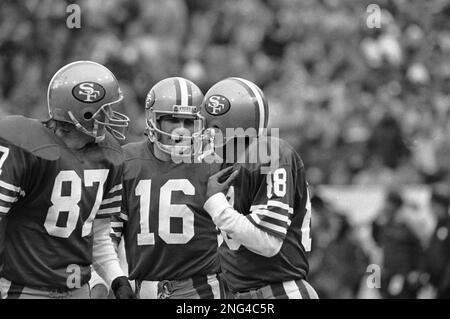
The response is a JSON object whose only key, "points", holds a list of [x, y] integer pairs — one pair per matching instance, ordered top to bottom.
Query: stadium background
{"points": [[366, 108]]}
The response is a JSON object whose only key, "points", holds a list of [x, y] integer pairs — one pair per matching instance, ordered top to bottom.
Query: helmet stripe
{"points": [[61, 70], [54, 77], [176, 82], [184, 91], [250, 92], [190, 97], [261, 108], [266, 109]]}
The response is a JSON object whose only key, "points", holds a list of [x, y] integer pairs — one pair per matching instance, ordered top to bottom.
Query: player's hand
{"points": [[214, 184], [122, 288]]}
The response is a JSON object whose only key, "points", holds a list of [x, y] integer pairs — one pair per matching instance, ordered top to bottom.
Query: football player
{"points": [[60, 182], [266, 221], [170, 240]]}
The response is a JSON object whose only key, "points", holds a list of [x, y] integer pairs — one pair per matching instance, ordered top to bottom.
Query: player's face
{"points": [[179, 127], [73, 138]]}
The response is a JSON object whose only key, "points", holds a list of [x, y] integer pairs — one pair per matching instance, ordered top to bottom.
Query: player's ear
{"points": [[67, 127]]}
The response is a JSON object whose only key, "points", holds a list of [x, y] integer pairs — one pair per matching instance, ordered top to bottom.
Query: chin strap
{"points": [[84, 130]]}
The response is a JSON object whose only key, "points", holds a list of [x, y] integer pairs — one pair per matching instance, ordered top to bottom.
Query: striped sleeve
{"points": [[12, 167], [9, 194], [112, 198], [111, 203], [272, 208], [119, 222]]}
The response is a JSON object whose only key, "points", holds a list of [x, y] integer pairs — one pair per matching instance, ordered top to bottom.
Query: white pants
{"points": [[11, 291]]}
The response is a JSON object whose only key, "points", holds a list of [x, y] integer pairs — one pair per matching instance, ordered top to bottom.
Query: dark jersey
{"points": [[49, 197], [278, 204], [168, 235], [2, 240]]}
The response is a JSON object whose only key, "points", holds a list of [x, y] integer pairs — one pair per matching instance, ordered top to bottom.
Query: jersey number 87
{"points": [[4, 152], [69, 203]]}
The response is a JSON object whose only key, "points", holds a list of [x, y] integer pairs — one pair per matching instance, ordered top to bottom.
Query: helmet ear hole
{"points": [[88, 115]]}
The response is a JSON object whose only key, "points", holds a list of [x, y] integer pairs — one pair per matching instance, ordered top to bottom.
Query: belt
{"points": [[53, 289], [158, 289], [164, 289]]}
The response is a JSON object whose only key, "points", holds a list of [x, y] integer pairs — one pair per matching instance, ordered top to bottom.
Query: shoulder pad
{"points": [[30, 135], [136, 150], [271, 151]]}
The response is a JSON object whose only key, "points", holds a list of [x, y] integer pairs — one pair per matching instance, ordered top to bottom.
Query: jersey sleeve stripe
{"points": [[10, 187], [116, 188], [8, 199], [107, 201], [273, 203], [279, 204], [5, 206], [110, 206], [256, 207], [4, 210], [274, 210], [108, 211], [273, 215], [273, 221], [117, 226], [270, 228]]}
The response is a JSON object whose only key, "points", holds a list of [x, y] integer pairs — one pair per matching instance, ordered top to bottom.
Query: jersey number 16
{"points": [[166, 211]]}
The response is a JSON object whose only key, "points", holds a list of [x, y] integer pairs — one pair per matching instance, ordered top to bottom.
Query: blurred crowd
{"points": [[362, 105], [405, 255]]}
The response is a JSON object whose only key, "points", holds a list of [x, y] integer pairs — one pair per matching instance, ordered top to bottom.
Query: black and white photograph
{"points": [[237, 150]]}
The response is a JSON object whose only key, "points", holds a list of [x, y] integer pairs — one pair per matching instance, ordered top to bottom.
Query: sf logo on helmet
{"points": [[88, 92], [217, 105]]}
